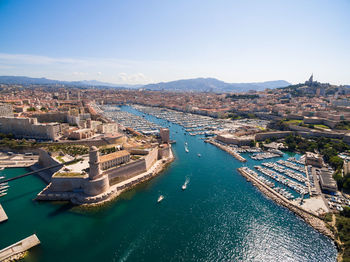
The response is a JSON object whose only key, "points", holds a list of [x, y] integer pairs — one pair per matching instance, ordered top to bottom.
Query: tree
{"points": [[336, 162]]}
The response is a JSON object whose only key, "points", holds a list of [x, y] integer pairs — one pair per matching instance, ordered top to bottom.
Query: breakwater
{"points": [[228, 150], [309, 217]]}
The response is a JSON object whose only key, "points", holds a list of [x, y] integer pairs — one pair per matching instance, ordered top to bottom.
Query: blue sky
{"points": [[127, 41]]}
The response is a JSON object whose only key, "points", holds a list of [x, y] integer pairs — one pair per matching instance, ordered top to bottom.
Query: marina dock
{"points": [[228, 150], [3, 216], [310, 217], [15, 251]]}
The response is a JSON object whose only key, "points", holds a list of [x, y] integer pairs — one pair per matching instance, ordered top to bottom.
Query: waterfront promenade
{"points": [[17, 160], [3, 216], [17, 250]]}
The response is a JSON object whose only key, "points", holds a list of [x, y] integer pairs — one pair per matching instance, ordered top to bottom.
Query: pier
{"points": [[228, 150], [17, 160], [37, 171], [3, 216], [16, 251]]}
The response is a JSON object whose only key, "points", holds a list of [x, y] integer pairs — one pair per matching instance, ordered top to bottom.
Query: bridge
{"points": [[38, 170]]}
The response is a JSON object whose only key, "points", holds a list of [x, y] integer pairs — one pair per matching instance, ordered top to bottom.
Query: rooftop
{"points": [[114, 155]]}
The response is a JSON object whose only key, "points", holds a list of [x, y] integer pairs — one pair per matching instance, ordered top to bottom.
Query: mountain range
{"points": [[185, 85]]}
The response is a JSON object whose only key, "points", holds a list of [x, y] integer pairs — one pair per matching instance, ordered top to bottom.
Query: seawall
{"points": [[228, 150], [310, 218], [17, 251]]}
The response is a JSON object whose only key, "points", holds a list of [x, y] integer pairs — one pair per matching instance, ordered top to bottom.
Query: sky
{"points": [[140, 42]]}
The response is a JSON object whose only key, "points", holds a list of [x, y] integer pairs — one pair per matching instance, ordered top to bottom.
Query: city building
{"points": [[6, 109], [29, 128], [235, 140], [114, 159], [313, 159], [327, 181]]}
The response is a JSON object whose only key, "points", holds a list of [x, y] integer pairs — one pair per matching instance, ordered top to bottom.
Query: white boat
{"points": [[186, 149], [199, 155], [2, 168], [1, 177], [184, 186], [4, 187], [3, 194], [160, 198]]}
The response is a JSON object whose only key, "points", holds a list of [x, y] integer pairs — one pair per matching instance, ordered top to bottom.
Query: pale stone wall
{"points": [[52, 117], [28, 128], [278, 134], [163, 152], [151, 158], [46, 160], [126, 171], [67, 184], [96, 186]]}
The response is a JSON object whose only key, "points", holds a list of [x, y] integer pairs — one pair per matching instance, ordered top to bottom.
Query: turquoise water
{"points": [[220, 217]]}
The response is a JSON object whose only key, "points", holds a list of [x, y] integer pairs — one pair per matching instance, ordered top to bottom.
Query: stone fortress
{"points": [[96, 178]]}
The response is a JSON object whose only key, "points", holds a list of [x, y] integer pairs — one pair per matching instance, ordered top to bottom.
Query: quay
{"points": [[228, 150], [17, 160], [3, 216], [311, 218], [17, 250]]}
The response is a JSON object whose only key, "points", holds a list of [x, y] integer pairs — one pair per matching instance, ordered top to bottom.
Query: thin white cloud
{"points": [[75, 68]]}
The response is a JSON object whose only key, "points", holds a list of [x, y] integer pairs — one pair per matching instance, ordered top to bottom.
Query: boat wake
{"points": [[184, 186]]}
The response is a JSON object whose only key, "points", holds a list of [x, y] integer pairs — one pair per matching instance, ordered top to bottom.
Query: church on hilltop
{"points": [[310, 81]]}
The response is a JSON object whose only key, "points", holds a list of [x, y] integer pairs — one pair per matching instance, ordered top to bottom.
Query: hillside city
{"points": [[88, 150]]}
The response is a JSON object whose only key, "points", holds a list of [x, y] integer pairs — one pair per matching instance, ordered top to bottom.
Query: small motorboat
{"points": [[199, 155], [184, 186], [4, 187], [3, 194], [160, 198]]}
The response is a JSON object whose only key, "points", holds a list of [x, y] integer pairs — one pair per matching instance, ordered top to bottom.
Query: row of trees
{"points": [[329, 148]]}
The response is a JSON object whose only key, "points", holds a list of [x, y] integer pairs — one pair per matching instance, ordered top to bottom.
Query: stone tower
{"points": [[164, 135], [94, 163]]}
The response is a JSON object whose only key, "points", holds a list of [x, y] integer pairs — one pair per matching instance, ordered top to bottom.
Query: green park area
{"points": [[68, 174]]}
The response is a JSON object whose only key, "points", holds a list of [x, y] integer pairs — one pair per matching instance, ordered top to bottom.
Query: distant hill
{"points": [[23, 80], [186, 85], [214, 85]]}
